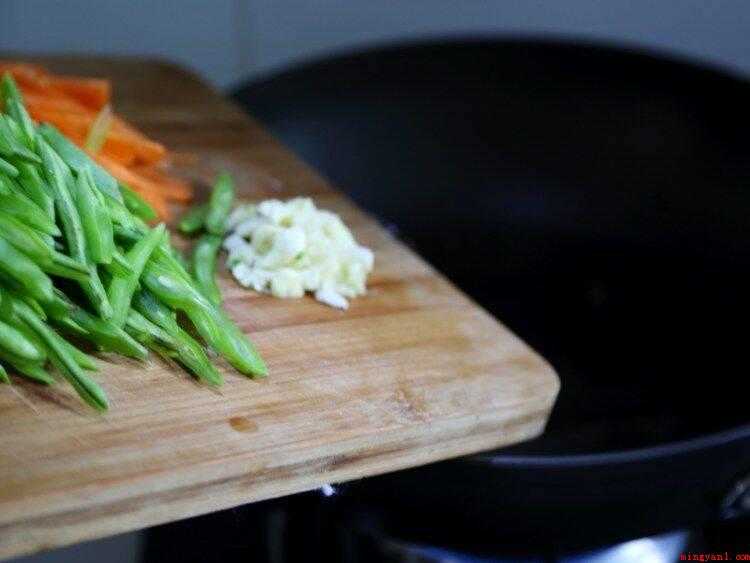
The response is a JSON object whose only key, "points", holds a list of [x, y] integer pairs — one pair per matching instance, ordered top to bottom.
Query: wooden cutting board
{"points": [[412, 373]]}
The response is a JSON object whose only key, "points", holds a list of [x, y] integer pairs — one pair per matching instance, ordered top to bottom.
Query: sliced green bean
{"points": [[13, 106], [11, 142], [78, 160], [7, 168], [60, 178], [36, 188], [136, 204], [220, 204], [27, 211], [193, 220], [103, 221], [99, 243], [33, 245], [119, 266], [204, 266], [22, 270], [121, 288], [211, 323], [147, 332], [108, 335], [15, 342], [189, 353], [81, 357], [61, 358], [31, 370]]}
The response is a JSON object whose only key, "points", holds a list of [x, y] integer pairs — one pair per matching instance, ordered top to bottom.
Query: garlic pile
{"points": [[288, 248]]}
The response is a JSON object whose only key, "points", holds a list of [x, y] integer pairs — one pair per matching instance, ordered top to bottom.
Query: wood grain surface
{"points": [[413, 373]]}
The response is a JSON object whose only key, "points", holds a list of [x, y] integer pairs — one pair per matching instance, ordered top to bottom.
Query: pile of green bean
{"points": [[79, 265]]}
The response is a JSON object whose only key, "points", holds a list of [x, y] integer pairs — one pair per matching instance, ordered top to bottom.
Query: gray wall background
{"points": [[227, 40]]}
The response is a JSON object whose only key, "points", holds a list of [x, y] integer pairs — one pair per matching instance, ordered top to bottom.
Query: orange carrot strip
{"points": [[24, 73], [93, 93], [41, 100], [77, 124], [125, 149], [147, 150], [123, 153], [173, 189]]}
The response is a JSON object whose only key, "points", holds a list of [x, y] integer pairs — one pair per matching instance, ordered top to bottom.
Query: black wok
{"points": [[595, 199]]}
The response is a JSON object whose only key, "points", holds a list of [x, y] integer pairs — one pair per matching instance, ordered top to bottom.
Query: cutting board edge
{"points": [[52, 531]]}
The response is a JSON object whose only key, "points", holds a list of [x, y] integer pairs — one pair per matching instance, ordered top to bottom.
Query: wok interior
{"points": [[594, 200]]}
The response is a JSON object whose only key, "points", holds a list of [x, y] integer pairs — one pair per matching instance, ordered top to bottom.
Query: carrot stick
{"points": [[24, 73], [94, 93], [34, 99], [75, 124], [126, 149], [121, 152], [173, 189]]}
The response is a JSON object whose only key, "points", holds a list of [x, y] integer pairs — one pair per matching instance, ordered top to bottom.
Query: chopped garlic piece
{"points": [[288, 248]]}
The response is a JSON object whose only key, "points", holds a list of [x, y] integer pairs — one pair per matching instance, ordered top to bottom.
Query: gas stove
{"points": [[318, 526]]}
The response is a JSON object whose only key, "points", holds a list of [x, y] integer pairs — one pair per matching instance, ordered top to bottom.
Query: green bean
{"points": [[13, 106], [11, 142], [78, 160], [8, 169], [59, 178], [6, 185], [36, 189], [136, 204], [220, 204], [27, 211], [120, 215], [193, 220], [103, 221], [126, 234], [24, 238], [99, 242], [33, 245], [164, 251], [119, 266], [204, 266], [22, 270], [64, 271], [121, 288], [97, 295], [32, 303], [155, 311], [13, 320], [212, 324], [72, 327], [147, 332], [108, 335], [14, 342], [189, 352], [192, 356], [81, 357], [61, 358], [31, 370], [4, 375]]}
